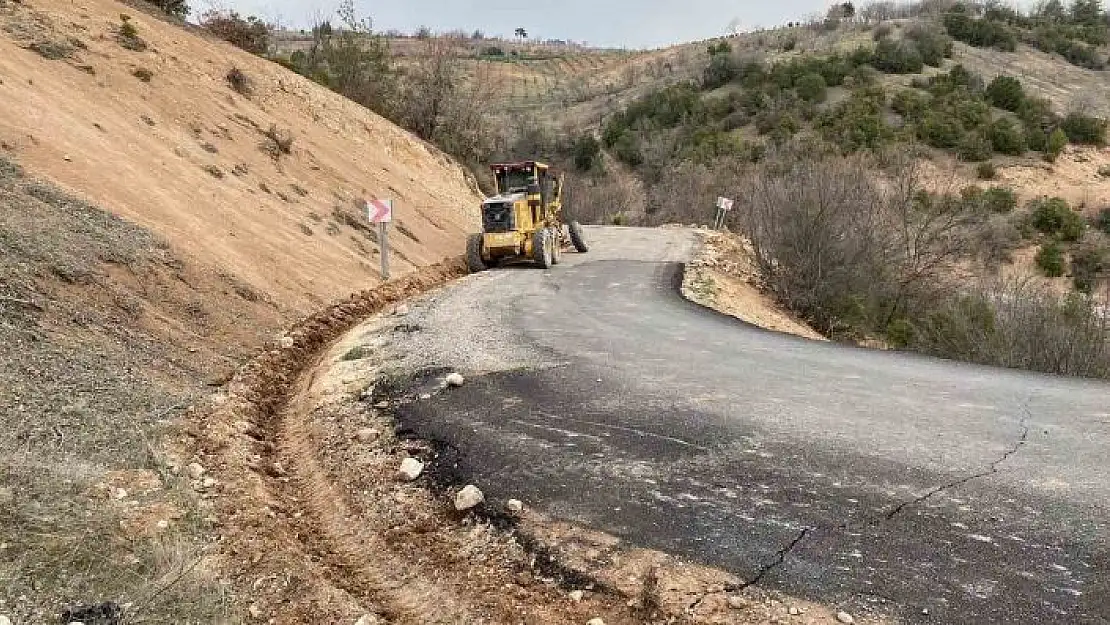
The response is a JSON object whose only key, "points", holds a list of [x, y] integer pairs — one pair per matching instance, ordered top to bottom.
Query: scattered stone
{"points": [[67, 158], [401, 310], [287, 342], [455, 380], [425, 396], [382, 404], [367, 435], [410, 469], [277, 470], [194, 471], [208, 482], [119, 493], [468, 498], [515, 506], [576, 595], [737, 602], [255, 611], [794, 611], [924, 611], [845, 618], [367, 619], [5, 620], [595, 621]]}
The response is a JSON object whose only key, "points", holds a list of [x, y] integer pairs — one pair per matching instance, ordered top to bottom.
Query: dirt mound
{"points": [[138, 116]]}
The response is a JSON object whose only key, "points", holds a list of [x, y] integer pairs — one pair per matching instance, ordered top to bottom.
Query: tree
{"points": [[176, 8], [521, 33]]}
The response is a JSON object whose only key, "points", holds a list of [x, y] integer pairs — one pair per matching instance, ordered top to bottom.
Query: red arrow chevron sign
{"points": [[380, 211]]}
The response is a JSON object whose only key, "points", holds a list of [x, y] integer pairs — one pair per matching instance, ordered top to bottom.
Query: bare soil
{"points": [[724, 278]]}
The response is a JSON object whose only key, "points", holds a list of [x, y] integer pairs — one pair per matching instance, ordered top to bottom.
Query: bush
{"points": [[250, 33], [981, 33], [128, 36], [933, 45], [493, 51], [897, 57], [720, 71], [143, 74], [239, 81], [812, 88], [1006, 92], [910, 103], [857, 123], [1081, 128], [940, 130], [1007, 138], [278, 143], [1054, 145], [974, 147], [627, 150], [587, 152], [986, 171], [999, 200], [1053, 216], [1050, 260], [1089, 261]]}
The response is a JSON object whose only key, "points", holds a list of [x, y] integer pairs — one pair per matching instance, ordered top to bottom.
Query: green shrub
{"points": [[176, 8], [251, 33], [981, 33], [933, 45], [493, 51], [897, 57], [721, 71], [143, 74], [812, 88], [1006, 92], [910, 103], [856, 123], [1081, 128], [940, 130], [1006, 137], [1055, 145], [974, 147], [627, 150], [586, 152], [986, 171], [999, 200], [1053, 216], [1102, 222], [1050, 260], [1089, 262], [900, 333]]}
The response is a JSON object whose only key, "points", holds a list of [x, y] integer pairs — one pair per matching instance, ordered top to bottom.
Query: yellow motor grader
{"points": [[524, 220]]}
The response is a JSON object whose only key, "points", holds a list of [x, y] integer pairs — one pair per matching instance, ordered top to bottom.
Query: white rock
{"points": [[401, 310], [287, 342], [455, 380], [425, 396], [382, 404], [367, 435], [410, 469], [194, 471], [208, 482], [119, 493], [468, 497], [515, 506], [576, 595], [737, 602], [255, 611], [794, 611], [845, 618], [367, 619], [5, 620], [595, 621]]}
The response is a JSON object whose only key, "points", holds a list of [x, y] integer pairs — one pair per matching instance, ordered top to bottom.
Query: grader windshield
{"points": [[515, 178]]}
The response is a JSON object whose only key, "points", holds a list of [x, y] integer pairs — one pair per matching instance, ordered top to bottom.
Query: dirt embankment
{"points": [[149, 127], [722, 276]]}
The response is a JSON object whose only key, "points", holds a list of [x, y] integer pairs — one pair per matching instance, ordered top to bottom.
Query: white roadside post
{"points": [[724, 205], [381, 212]]}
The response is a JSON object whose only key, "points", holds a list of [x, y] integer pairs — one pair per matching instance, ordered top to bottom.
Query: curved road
{"points": [[924, 489]]}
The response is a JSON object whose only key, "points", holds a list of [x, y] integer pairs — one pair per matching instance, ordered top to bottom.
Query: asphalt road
{"points": [[929, 490]]}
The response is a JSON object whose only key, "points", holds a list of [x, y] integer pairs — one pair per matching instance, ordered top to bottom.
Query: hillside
{"points": [[188, 155], [157, 228]]}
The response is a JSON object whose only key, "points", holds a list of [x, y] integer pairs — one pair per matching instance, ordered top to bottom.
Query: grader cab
{"points": [[523, 221]]}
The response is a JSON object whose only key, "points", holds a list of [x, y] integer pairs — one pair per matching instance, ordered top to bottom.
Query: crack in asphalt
{"points": [[991, 469], [780, 558]]}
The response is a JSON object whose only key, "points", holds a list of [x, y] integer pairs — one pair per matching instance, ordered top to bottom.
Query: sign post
{"points": [[724, 205], [381, 212]]}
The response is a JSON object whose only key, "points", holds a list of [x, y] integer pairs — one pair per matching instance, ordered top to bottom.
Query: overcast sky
{"points": [[627, 23]]}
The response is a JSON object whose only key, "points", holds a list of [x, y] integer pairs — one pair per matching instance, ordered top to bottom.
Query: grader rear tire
{"points": [[577, 237], [541, 249], [474, 260]]}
